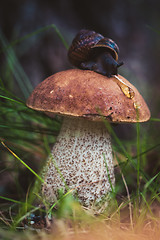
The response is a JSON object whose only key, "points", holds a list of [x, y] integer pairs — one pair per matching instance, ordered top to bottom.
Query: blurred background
{"points": [[133, 24]]}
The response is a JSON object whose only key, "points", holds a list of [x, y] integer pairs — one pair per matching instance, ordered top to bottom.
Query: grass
{"points": [[26, 137]]}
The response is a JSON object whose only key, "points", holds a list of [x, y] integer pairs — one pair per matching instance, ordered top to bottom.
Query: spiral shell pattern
{"points": [[84, 45]]}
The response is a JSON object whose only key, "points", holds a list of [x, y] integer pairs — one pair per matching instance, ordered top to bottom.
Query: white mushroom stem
{"points": [[82, 157]]}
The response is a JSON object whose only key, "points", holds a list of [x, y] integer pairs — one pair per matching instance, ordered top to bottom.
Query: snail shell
{"points": [[87, 44], [90, 50]]}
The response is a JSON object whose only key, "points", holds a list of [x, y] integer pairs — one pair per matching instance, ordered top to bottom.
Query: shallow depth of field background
{"points": [[134, 25]]}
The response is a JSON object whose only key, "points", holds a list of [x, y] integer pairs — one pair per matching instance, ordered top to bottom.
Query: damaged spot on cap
{"points": [[127, 90]]}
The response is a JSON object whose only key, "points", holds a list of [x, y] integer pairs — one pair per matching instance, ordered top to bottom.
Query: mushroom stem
{"points": [[78, 156]]}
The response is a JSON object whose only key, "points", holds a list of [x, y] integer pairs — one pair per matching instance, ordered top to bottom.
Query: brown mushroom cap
{"points": [[83, 93]]}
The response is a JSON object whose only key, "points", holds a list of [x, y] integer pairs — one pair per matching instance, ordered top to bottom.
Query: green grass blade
{"points": [[40, 30], [60, 35], [13, 63], [16, 68], [9, 94], [12, 100], [155, 119], [117, 140], [147, 151], [138, 157], [129, 159], [22, 162], [109, 178], [150, 181], [144, 199], [11, 200], [59, 200], [15, 201], [22, 216]]}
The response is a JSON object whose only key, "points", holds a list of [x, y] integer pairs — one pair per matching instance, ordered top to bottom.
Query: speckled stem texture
{"points": [[82, 157]]}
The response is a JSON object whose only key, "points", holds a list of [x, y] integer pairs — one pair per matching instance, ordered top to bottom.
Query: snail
{"points": [[90, 50]]}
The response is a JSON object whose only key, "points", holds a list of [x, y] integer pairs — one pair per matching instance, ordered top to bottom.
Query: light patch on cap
{"points": [[137, 105]]}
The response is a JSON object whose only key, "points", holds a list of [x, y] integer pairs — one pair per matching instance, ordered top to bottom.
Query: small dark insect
{"points": [[90, 50]]}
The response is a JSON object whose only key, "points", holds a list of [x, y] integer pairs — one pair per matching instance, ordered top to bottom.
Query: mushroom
{"points": [[81, 158]]}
